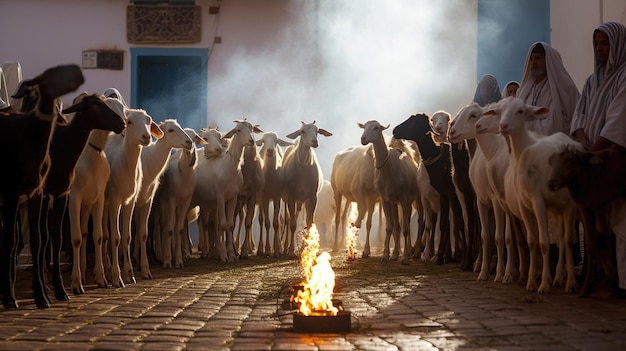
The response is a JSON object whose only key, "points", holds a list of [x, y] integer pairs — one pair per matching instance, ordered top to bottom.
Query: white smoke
{"points": [[346, 61]]}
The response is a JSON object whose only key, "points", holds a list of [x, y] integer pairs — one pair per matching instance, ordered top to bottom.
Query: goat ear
{"points": [[32, 82], [22, 91], [76, 107], [539, 110], [489, 113], [361, 125], [387, 127], [155, 130], [257, 130], [324, 132], [229, 134], [294, 134], [199, 140], [284, 143]]}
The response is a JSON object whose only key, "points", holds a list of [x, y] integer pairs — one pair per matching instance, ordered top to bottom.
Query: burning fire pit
{"points": [[317, 311], [340, 323]]}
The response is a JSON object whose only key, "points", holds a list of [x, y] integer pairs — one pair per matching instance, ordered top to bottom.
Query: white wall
{"points": [[573, 22]]}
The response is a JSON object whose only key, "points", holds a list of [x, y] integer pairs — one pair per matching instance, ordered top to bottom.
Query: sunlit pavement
{"points": [[244, 306]]}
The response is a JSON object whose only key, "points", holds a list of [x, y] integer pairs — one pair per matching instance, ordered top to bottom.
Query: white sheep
{"points": [[215, 148], [124, 156], [154, 159], [487, 170], [529, 173], [302, 178], [352, 178], [395, 178], [217, 187], [272, 191], [249, 195], [174, 197], [86, 199], [427, 206], [324, 215]]}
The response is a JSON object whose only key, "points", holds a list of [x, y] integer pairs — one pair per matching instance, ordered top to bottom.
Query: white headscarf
{"points": [[562, 89], [110, 92], [505, 92], [600, 110]]}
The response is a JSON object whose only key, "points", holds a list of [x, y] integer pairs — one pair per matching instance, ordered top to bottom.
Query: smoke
{"points": [[347, 61]]}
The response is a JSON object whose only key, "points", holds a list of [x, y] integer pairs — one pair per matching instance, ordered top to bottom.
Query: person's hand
{"points": [[581, 137]]}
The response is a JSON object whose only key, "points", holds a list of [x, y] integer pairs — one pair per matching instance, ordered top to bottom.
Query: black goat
{"points": [[25, 141], [68, 142], [438, 163]]}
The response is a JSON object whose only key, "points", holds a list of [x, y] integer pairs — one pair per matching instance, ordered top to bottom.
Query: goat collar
{"points": [[98, 150], [434, 159], [385, 161]]}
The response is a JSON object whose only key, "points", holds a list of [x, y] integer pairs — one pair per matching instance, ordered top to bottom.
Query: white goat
{"points": [[216, 147], [124, 155], [491, 157], [154, 159], [529, 173], [303, 178], [352, 178], [395, 178], [218, 184], [177, 185], [272, 191], [249, 195], [86, 199], [427, 206], [324, 215]]}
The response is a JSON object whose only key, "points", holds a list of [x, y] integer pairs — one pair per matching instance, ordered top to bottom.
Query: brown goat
{"points": [[594, 180]]}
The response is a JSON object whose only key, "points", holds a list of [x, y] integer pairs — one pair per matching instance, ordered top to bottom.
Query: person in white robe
{"points": [[546, 82], [510, 89], [487, 90], [600, 117]]}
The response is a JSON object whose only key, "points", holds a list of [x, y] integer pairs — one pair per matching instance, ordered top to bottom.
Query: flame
{"points": [[352, 233], [310, 250], [315, 297]]}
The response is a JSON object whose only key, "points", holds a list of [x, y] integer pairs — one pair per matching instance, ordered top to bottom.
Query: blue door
{"points": [[170, 83]]}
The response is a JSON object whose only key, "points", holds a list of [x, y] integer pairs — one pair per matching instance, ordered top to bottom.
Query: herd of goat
{"points": [[474, 181]]}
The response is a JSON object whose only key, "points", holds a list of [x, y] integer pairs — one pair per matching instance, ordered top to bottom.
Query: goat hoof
{"points": [[78, 291], [61, 296], [10, 303], [42, 303]]}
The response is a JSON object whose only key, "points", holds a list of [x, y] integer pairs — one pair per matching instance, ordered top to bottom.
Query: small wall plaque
{"points": [[90, 59]]}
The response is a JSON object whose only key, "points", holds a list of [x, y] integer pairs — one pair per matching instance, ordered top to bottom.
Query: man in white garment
{"points": [[546, 82], [600, 117]]}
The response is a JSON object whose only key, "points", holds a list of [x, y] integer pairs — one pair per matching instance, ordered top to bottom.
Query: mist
{"points": [[346, 61]]}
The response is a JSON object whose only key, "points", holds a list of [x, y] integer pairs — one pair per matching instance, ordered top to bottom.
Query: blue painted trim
{"points": [[505, 31]]}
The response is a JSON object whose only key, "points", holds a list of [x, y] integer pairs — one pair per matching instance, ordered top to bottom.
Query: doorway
{"points": [[170, 83]]}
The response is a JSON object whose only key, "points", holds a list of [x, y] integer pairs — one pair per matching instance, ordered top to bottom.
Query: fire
{"points": [[352, 233], [311, 247], [315, 297]]}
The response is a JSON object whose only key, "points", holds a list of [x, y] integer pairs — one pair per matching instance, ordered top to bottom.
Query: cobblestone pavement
{"points": [[241, 306]]}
